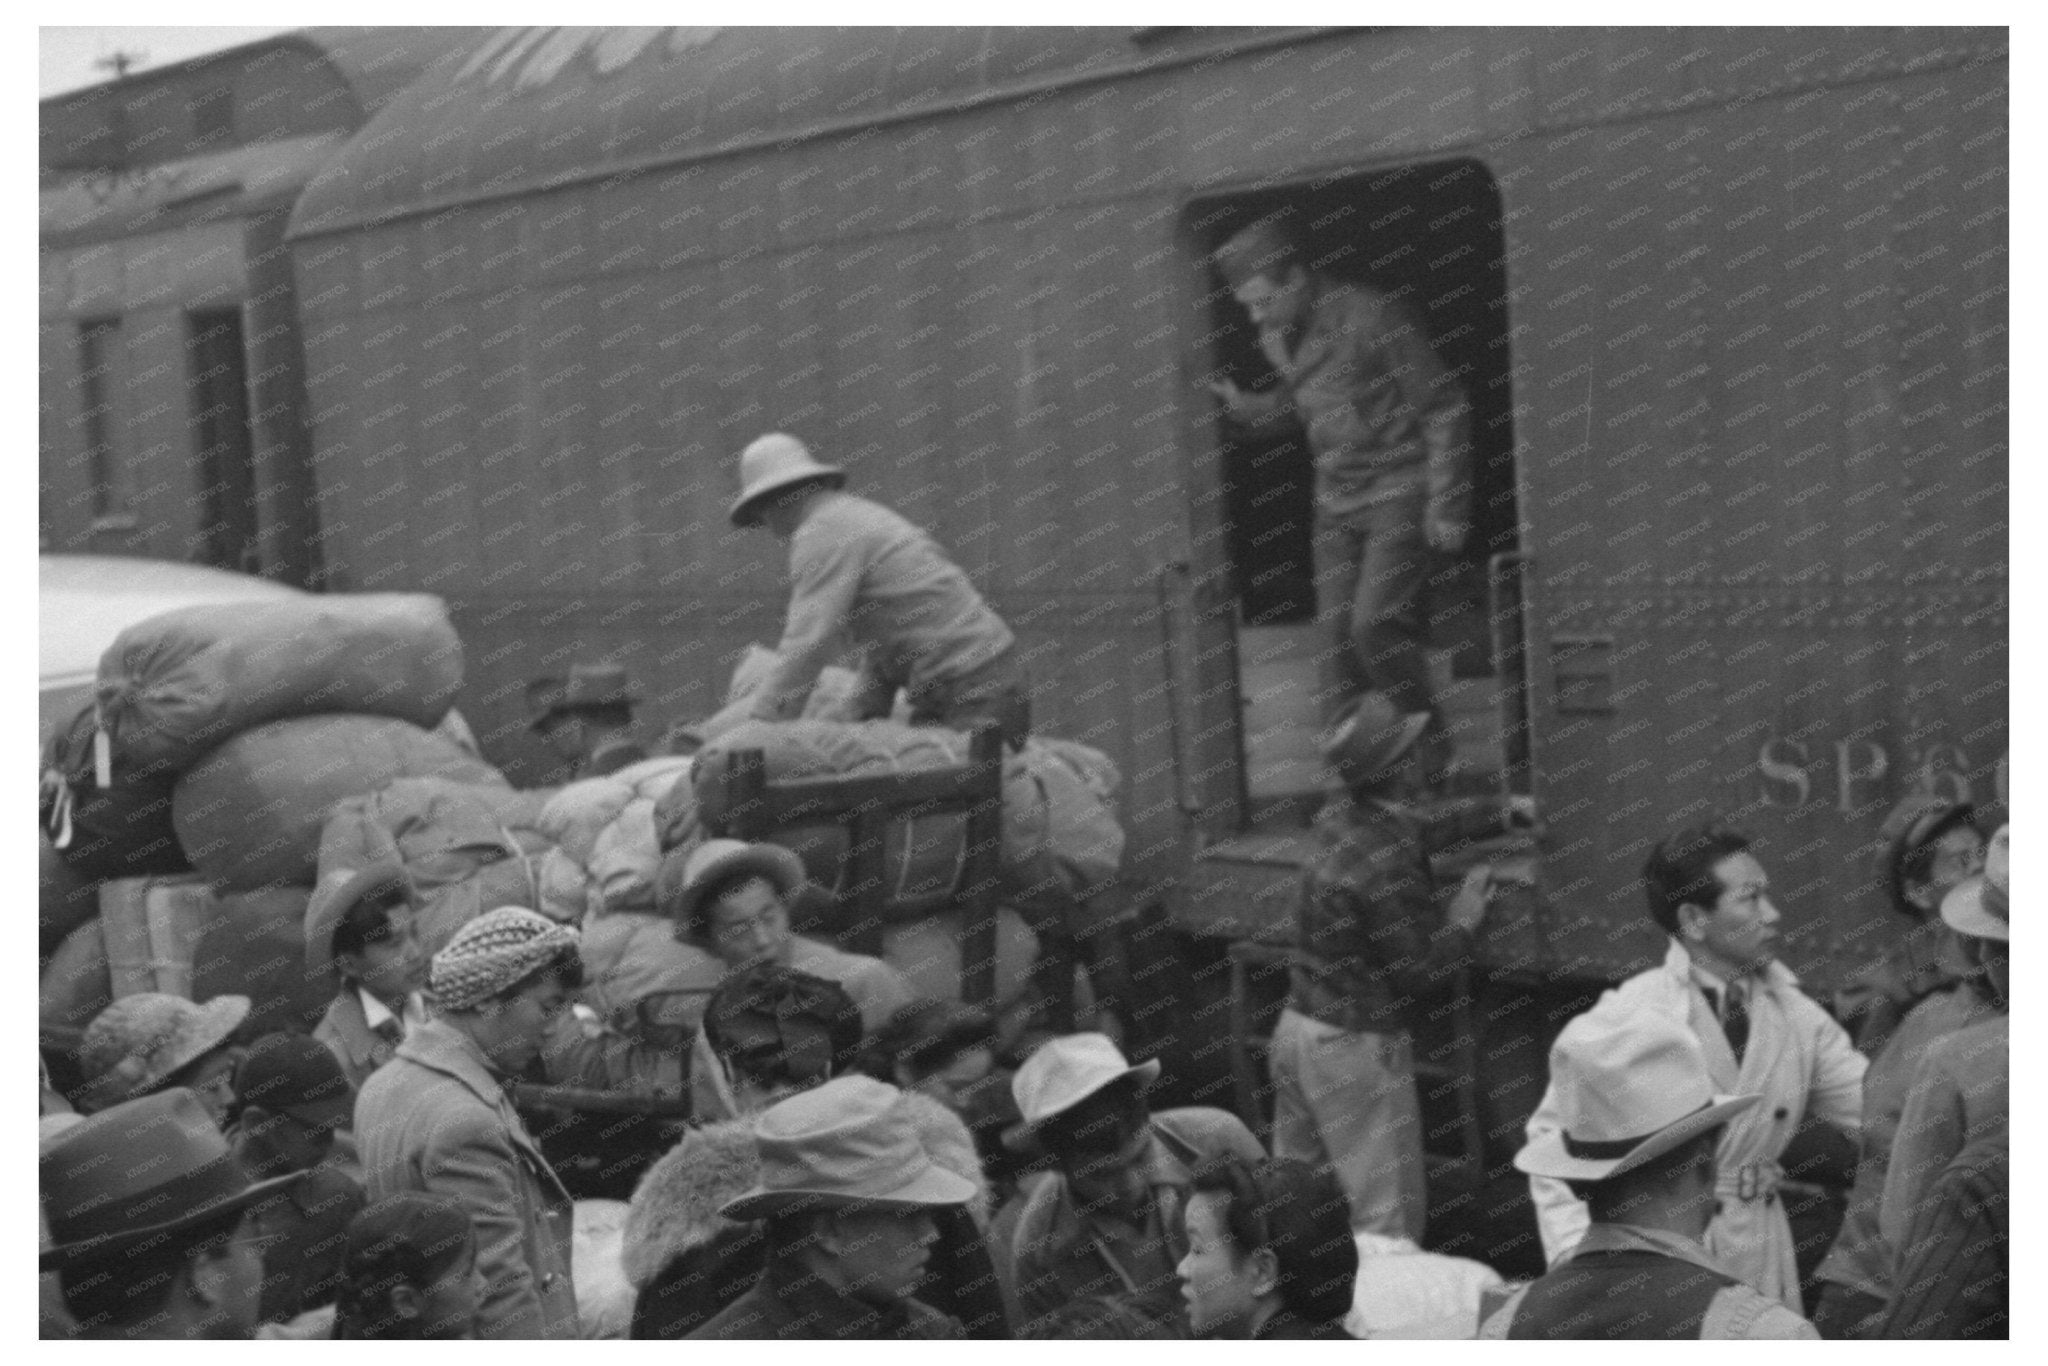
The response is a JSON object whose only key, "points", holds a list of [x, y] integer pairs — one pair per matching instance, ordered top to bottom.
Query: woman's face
{"points": [[1220, 1284]]}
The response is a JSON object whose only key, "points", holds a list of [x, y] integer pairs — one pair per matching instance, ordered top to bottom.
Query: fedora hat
{"points": [[772, 464], [601, 683], [1368, 736], [1918, 818], [713, 861], [341, 892], [1980, 906], [137, 1043], [1067, 1070], [1632, 1085], [849, 1142], [136, 1173]]}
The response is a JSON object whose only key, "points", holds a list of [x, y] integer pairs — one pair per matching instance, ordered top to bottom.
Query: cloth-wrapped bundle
{"points": [[182, 683], [250, 814], [606, 827]]}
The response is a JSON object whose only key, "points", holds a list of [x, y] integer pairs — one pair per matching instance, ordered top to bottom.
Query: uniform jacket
{"points": [[1368, 390], [860, 574], [1371, 938], [1797, 1058], [1958, 1094], [435, 1119], [1058, 1254], [1860, 1258], [1644, 1283]]}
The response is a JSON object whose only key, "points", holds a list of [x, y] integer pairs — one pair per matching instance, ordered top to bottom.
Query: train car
{"points": [[1729, 306], [172, 388]]}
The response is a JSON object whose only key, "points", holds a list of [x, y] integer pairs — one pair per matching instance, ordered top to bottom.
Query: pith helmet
{"points": [[772, 464]]}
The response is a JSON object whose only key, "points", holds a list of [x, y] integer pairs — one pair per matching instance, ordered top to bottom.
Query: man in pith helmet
{"points": [[862, 575]]}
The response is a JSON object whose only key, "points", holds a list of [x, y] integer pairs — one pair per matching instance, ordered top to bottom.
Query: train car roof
{"points": [[541, 108], [232, 184]]}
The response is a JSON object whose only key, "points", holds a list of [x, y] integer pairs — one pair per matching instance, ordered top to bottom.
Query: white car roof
{"points": [[85, 601]]}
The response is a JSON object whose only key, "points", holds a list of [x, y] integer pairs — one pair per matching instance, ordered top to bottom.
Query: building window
{"points": [[99, 342]]}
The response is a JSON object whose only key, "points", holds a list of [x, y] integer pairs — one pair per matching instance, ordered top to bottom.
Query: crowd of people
{"points": [[862, 1164], [897, 1180]]}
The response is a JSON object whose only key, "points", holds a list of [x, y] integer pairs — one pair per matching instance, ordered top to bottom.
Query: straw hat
{"points": [[772, 464], [713, 861], [1980, 906], [136, 1044], [1632, 1085], [850, 1142], [139, 1173]]}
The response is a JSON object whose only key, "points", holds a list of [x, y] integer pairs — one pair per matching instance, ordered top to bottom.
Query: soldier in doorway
{"points": [[1387, 426]]}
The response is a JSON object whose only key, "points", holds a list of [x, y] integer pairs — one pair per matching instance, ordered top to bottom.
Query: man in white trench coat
{"points": [[1760, 1033]]}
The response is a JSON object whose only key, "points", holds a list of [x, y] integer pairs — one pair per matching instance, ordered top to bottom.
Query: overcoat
{"points": [[1798, 1059], [435, 1119]]}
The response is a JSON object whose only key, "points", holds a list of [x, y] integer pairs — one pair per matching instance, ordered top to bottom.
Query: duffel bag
{"points": [[184, 682], [251, 813], [121, 829], [927, 952]]}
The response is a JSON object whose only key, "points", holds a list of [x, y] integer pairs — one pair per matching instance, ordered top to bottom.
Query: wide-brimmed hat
{"points": [[772, 464], [1369, 736], [1919, 817], [713, 861], [341, 892], [1980, 906], [493, 952], [139, 1042], [1067, 1070], [291, 1074], [1631, 1085], [850, 1142], [139, 1172]]}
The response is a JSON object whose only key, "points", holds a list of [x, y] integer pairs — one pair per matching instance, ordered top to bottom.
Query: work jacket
{"points": [[1798, 1059], [435, 1119]]}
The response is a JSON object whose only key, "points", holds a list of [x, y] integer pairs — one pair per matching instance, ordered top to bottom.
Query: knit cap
{"points": [[492, 952]]}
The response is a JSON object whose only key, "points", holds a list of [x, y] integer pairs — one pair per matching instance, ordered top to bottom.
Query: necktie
{"points": [[1735, 1018], [390, 1031]]}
